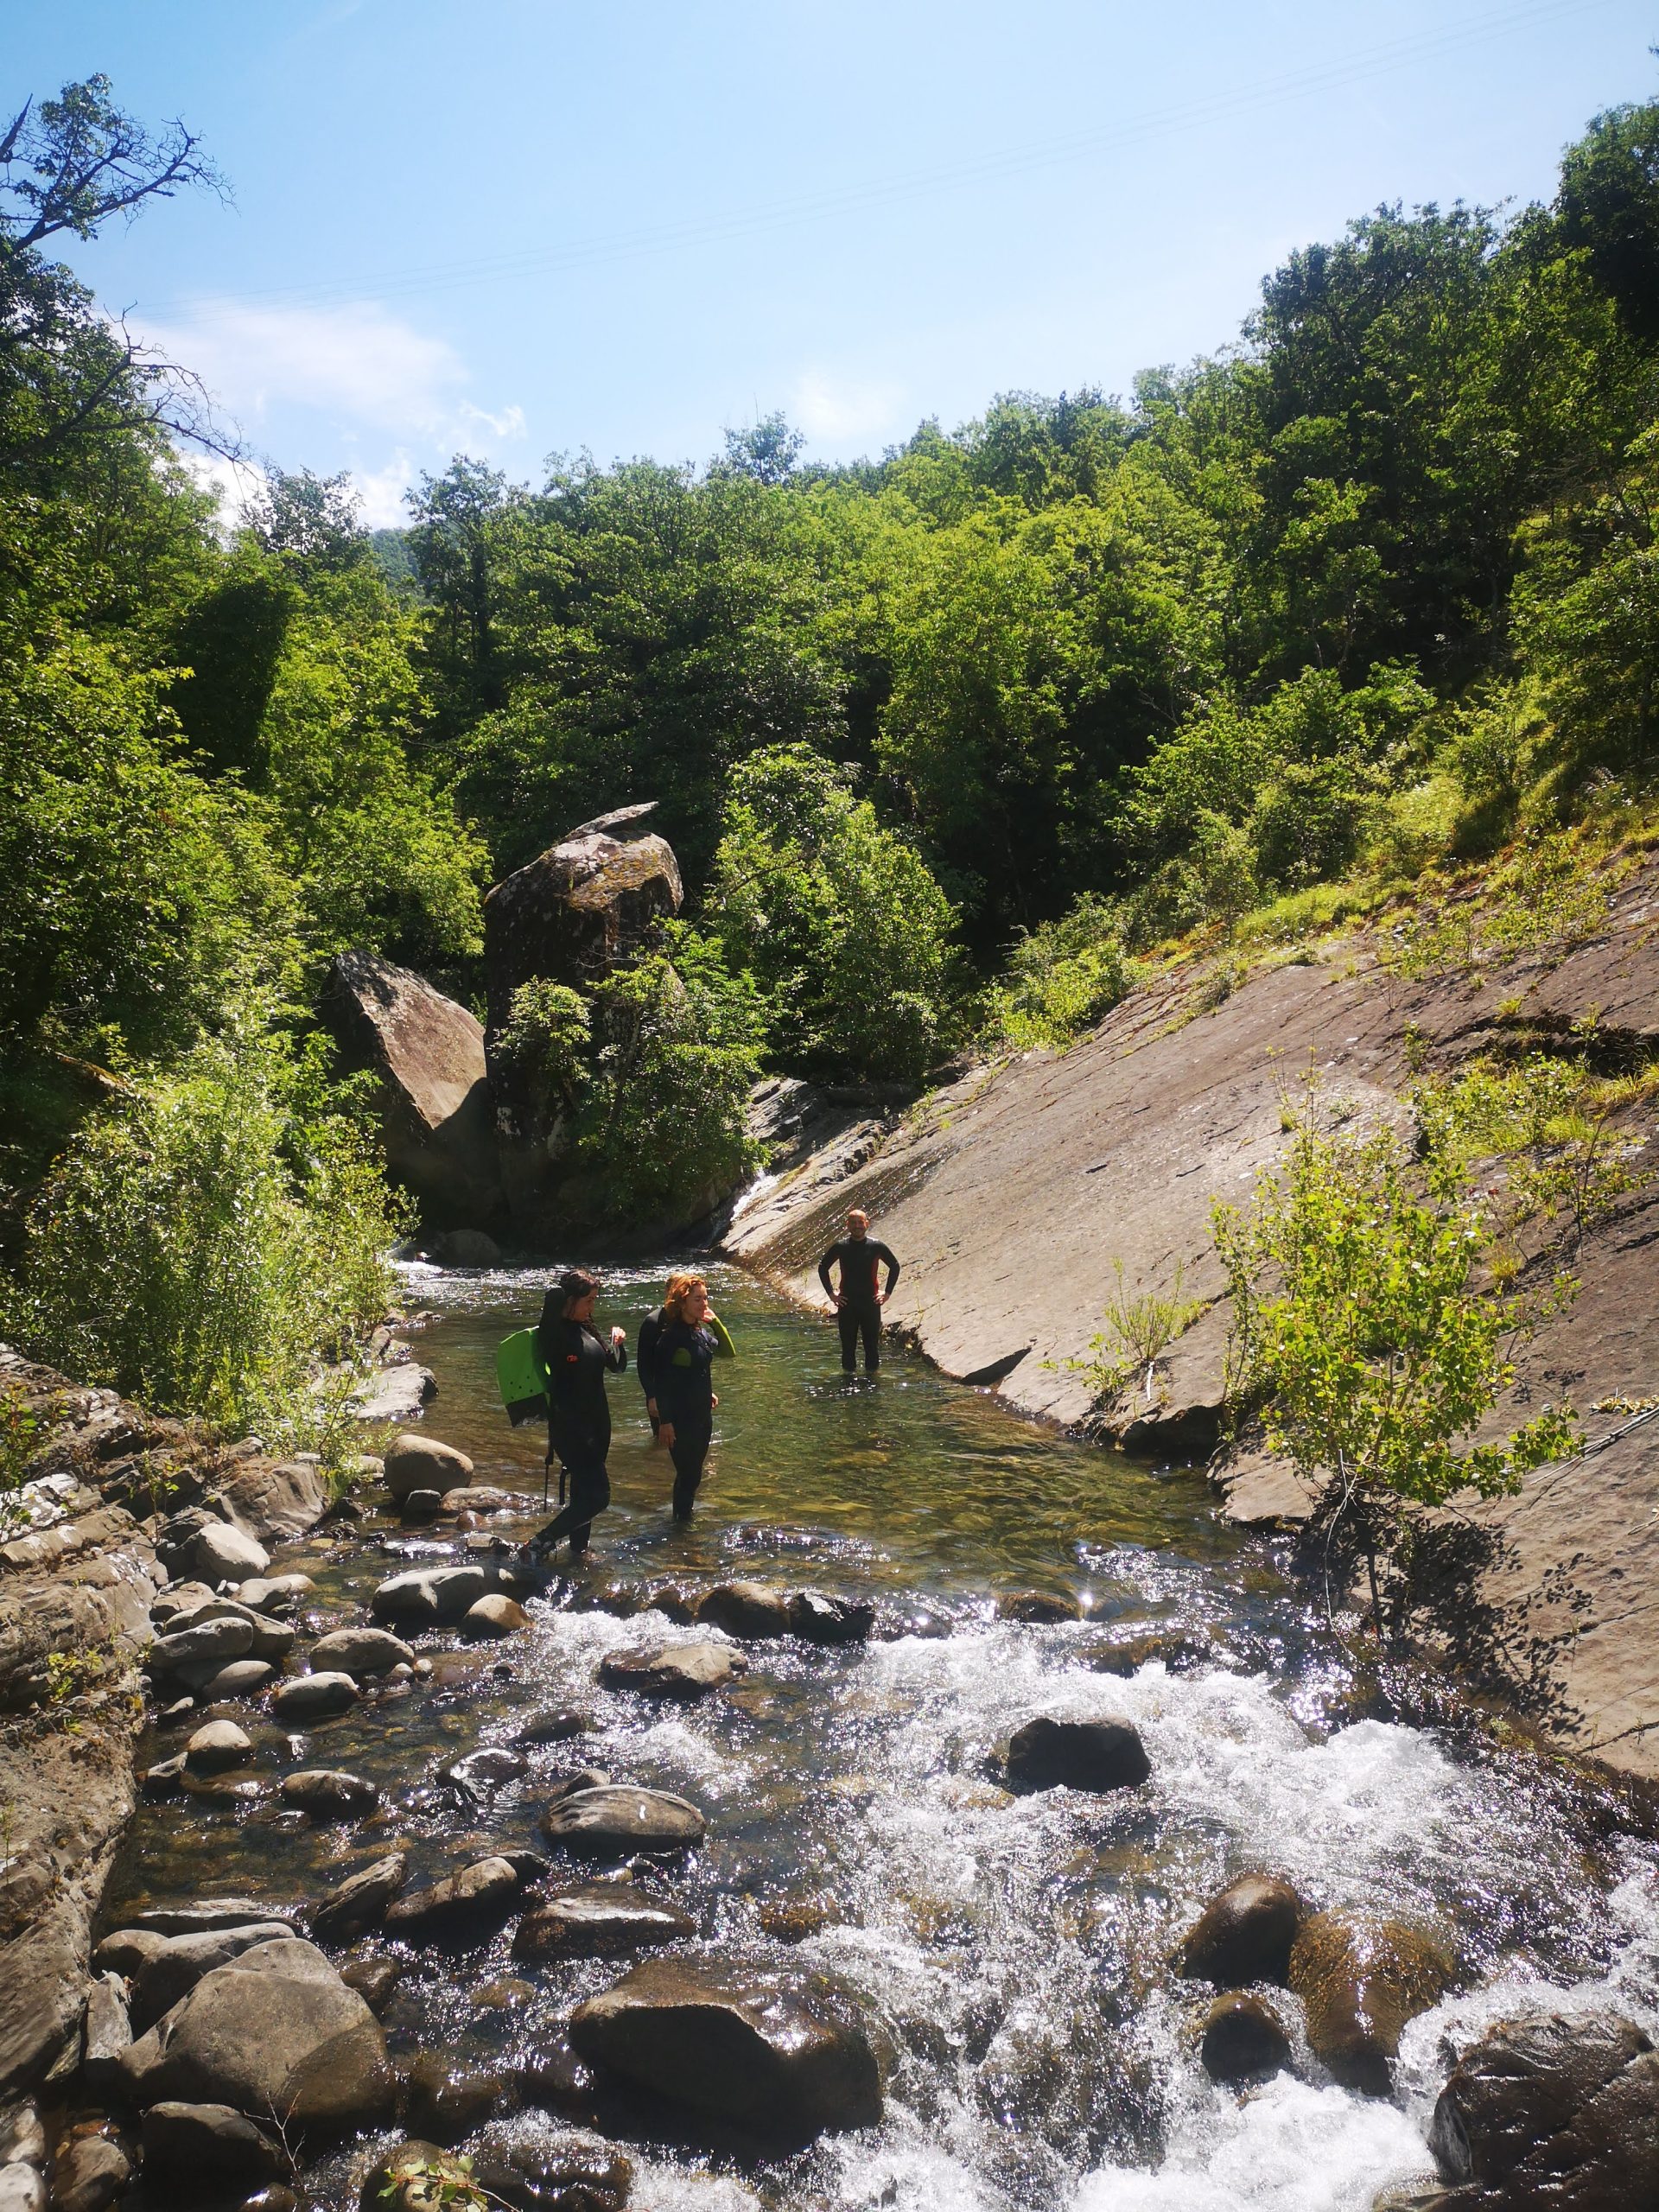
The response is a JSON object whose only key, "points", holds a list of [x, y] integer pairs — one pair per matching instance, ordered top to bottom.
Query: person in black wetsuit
{"points": [[858, 1297], [652, 1325], [692, 1338], [577, 1359]]}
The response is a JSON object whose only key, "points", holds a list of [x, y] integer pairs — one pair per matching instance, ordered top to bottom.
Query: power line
{"points": [[742, 223]]}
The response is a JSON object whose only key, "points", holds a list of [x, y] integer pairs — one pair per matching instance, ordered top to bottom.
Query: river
{"points": [[1011, 1953]]}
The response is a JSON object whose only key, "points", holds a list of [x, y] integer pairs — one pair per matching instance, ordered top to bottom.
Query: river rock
{"points": [[426, 1053], [414, 1462], [420, 1506], [222, 1554], [273, 1593], [426, 1594], [1037, 1606], [752, 1610], [492, 1617], [817, 1618], [213, 1644], [1170, 1647], [361, 1653], [681, 1672], [243, 1678], [314, 1697], [557, 1726], [217, 1746], [1092, 1755], [490, 1767], [166, 1778], [327, 1794], [619, 1818], [478, 1894], [361, 1900], [204, 1916], [606, 1921], [1244, 1932], [127, 1951], [166, 1978], [375, 1980], [1360, 1981], [277, 2030], [106, 2034], [1242, 2039], [777, 2055], [444, 2100], [1552, 2111], [191, 2146], [89, 2172], [566, 2175], [417, 2176], [23, 2186]]}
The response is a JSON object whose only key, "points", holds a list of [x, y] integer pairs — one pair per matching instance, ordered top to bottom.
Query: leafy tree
{"points": [[1608, 207], [768, 451], [311, 523], [461, 524], [837, 919], [1061, 978], [1367, 1336]]}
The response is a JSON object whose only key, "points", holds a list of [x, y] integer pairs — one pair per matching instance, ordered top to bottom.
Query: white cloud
{"points": [[367, 372], [840, 410], [381, 492]]}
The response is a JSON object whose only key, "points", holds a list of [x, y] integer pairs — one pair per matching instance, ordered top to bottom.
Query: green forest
{"points": [[974, 734]]}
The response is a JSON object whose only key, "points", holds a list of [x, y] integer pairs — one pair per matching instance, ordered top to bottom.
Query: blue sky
{"points": [[519, 226]]}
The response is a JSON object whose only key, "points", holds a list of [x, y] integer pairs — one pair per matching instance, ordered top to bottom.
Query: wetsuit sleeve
{"points": [[833, 1254], [892, 1265], [724, 1348], [616, 1357]]}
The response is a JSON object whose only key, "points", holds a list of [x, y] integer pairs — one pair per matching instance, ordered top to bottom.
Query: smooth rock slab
{"points": [[414, 1462], [271, 1593], [426, 1594], [218, 1641], [359, 1652], [681, 1672], [314, 1697], [1091, 1755], [328, 1793], [617, 1820], [480, 1893], [361, 1900], [205, 1915], [608, 1921], [1244, 1933], [127, 1951], [1360, 1980], [276, 2031], [106, 2034], [782, 2057], [1554, 2111], [189, 2145]]}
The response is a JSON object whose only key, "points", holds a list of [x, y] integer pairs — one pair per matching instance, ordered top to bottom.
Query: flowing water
{"points": [[1010, 1953]]}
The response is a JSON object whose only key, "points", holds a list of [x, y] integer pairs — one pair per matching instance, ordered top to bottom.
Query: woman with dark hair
{"points": [[692, 1338], [577, 1359]]}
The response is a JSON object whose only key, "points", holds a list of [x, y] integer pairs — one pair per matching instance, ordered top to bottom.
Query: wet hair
{"points": [[575, 1284], [680, 1287]]}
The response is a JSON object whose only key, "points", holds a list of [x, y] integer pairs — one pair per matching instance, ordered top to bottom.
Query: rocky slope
{"points": [[1008, 1196]]}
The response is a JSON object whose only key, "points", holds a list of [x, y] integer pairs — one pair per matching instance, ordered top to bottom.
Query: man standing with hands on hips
{"points": [[858, 1297]]}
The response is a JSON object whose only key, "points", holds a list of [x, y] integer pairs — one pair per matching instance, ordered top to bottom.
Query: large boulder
{"points": [[587, 904], [427, 1054], [414, 1462], [423, 1595], [359, 1652], [678, 1672], [1093, 1755], [617, 1820], [478, 1895], [183, 1961], [1360, 1980], [277, 2031], [778, 2056], [1547, 2110], [192, 2147]]}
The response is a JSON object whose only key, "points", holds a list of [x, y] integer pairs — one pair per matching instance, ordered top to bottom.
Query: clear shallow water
{"points": [[1010, 1952]]}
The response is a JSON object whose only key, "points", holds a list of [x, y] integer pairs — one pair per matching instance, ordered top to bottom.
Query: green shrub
{"points": [[1062, 978], [665, 1126], [206, 1244]]}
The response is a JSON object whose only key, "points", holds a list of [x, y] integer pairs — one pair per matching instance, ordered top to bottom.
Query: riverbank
{"points": [[1010, 1194]]}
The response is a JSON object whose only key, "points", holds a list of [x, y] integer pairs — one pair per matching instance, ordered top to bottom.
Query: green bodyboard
{"points": [[522, 1377]]}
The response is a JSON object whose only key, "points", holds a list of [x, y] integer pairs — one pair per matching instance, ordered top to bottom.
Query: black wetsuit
{"points": [[857, 1314], [577, 1359], [644, 1361], [682, 1362]]}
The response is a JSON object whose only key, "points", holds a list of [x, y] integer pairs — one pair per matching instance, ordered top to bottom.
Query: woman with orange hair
{"points": [[691, 1338]]}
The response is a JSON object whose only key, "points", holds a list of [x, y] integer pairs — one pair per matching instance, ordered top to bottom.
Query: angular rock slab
{"points": [[817, 1617], [680, 1673], [1096, 1755], [617, 1821], [478, 1894], [361, 1900], [609, 1921], [276, 2031], [778, 2056], [1552, 2111]]}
